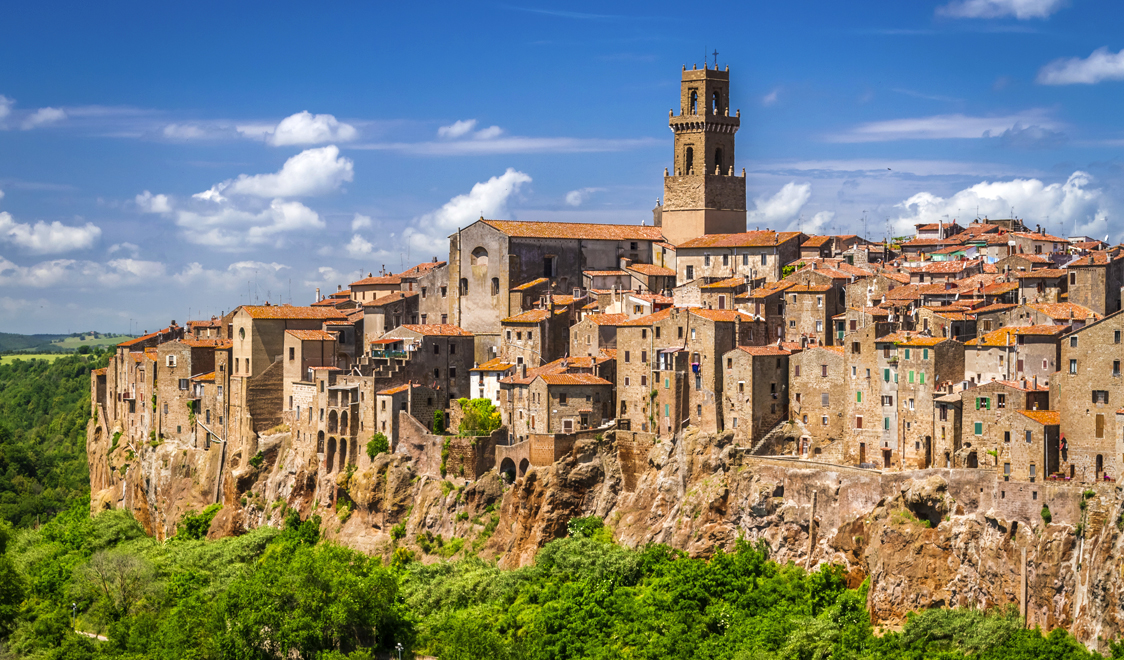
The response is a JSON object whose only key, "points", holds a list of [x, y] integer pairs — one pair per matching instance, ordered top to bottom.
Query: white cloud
{"points": [[1020, 9], [1100, 66], [770, 98], [5, 108], [43, 117], [939, 127], [307, 128], [467, 128], [456, 129], [185, 132], [512, 144], [311, 172], [1, 194], [576, 197], [489, 199], [1076, 200], [150, 203], [782, 207], [360, 222], [817, 225], [234, 228], [43, 238], [359, 247], [131, 248], [80, 274], [235, 276], [327, 277]]}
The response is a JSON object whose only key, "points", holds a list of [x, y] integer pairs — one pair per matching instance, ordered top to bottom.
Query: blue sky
{"points": [[160, 161]]}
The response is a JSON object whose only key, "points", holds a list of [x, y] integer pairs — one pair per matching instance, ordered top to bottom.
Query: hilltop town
{"points": [[987, 349]]}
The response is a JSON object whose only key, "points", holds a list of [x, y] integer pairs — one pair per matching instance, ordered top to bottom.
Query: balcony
{"points": [[389, 354]]}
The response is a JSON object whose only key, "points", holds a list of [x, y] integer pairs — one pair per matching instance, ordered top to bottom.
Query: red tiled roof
{"points": [[576, 230], [1039, 237], [762, 238], [815, 241], [1100, 258], [421, 268], [652, 270], [605, 273], [1048, 273], [393, 280], [728, 283], [527, 285], [809, 288], [392, 297], [654, 298], [997, 307], [1064, 310], [277, 312], [721, 315], [529, 316], [606, 319], [649, 319], [439, 330], [311, 335], [1008, 336], [137, 340], [922, 341], [208, 343], [765, 350], [495, 364], [208, 377], [573, 379], [1025, 386], [397, 390], [1043, 417]]}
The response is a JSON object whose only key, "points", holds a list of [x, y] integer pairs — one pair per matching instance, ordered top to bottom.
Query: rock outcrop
{"points": [[923, 539]]}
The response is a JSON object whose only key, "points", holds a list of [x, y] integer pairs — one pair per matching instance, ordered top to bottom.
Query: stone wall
{"points": [[263, 397]]}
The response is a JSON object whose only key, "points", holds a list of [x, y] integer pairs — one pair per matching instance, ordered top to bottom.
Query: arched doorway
{"points": [[333, 422], [343, 423], [320, 442], [343, 453], [330, 462], [973, 462], [523, 465], [1100, 466], [507, 469]]}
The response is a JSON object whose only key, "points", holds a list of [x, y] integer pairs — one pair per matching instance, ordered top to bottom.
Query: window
{"points": [[725, 257], [706, 259], [745, 259], [762, 259], [690, 273], [464, 286], [495, 286], [444, 291], [819, 301], [819, 326], [657, 329], [1116, 337], [1073, 342], [856, 348], [452, 349], [907, 353], [925, 354], [627, 356], [171, 361], [1073, 366], [1116, 367], [797, 371], [823, 371], [854, 371], [452, 372], [886, 375], [911, 376], [626, 381], [643, 381], [698, 382], [741, 386], [1100, 396], [858, 397], [562, 398], [825, 399], [1001, 401], [698, 411], [824, 418], [858, 421], [885, 423], [1100, 426], [979, 428], [1029, 436], [1007, 437], [1006, 469]]}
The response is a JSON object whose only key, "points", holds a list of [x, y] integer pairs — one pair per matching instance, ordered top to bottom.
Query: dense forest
{"points": [[72, 586]]}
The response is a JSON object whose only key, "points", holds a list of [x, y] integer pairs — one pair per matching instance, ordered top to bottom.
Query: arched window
{"points": [[694, 102], [717, 103], [689, 158], [718, 160], [480, 257], [464, 286], [495, 286], [333, 422]]}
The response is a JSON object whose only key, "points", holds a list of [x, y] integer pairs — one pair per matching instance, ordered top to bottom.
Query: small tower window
{"points": [[717, 100], [694, 102], [689, 157], [480, 257], [495, 286]]}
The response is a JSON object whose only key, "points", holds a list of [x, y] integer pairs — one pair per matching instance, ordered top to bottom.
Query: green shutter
{"points": [[907, 353], [925, 355], [886, 375], [895, 376], [911, 376], [922, 377], [858, 397], [977, 403], [667, 410], [886, 423], [979, 428]]}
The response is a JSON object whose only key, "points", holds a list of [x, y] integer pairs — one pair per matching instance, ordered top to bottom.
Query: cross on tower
{"points": [[715, 58]]}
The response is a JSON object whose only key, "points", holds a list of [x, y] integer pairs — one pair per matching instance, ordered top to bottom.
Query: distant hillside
{"points": [[57, 343]]}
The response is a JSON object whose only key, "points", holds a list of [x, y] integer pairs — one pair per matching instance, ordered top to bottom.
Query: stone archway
{"points": [[333, 422], [343, 423], [320, 442], [343, 453], [331, 459], [523, 465], [507, 469]]}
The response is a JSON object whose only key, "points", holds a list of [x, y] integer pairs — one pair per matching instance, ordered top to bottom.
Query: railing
{"points": [[389, 354]]}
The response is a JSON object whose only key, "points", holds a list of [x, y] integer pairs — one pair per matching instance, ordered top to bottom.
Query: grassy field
{"points": [[71, 343], [49, 357]]}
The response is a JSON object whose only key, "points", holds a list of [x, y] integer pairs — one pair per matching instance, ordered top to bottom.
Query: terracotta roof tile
{"points": [[576, 230], [762, 238], [816, 241], [421, 269], [651, 270], [605, 273], [1050, 273], [392, 280], [728, 283], [529, 285], [809, 288], [393, 297], [1064, 311], [278, 312], [721, 315], [529, 316], [607, 319], [649, 319], [439, 330], [311, 335], [1008, 336], [922, 341], [765, 350], [495, 364], [208, 377], [573, 379], [397, 390], [1043, 417]]}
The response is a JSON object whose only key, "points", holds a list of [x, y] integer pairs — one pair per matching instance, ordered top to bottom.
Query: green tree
{"points": [[480, 417], [378, 445]]}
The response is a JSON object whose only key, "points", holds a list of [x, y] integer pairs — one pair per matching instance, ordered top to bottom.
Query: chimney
{"points": [[339, 287], [317, 294], [523, 369]]}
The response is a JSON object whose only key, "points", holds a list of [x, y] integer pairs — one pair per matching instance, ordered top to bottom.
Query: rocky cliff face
{"points": [[924, 539]]}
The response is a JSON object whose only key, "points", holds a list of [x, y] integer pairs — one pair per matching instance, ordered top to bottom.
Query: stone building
{"points": [[702, 195], [757, 256], [489, 258], [1095, 280], [1043, 285], [373, 287], [766, 305], [808, 312], [387, 313], [259, 333], [594, 333], [534, 338], [305, 349], [1014, 353], [438, 356], [923, 364], [484, 379], [1087, 391], [817, 392], [755, 396], [179, 398], [567, 402], [993, 429]]}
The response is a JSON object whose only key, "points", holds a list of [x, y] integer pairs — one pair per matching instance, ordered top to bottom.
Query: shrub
{"points": [[480, 417], [439, 422], [378, 445], [445, 455], [257, 460], [1046, 517], [194, 527], [588, 527], [398, 531]]}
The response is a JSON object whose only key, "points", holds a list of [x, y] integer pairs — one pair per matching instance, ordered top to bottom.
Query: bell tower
{"points": [[702, 195]]}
